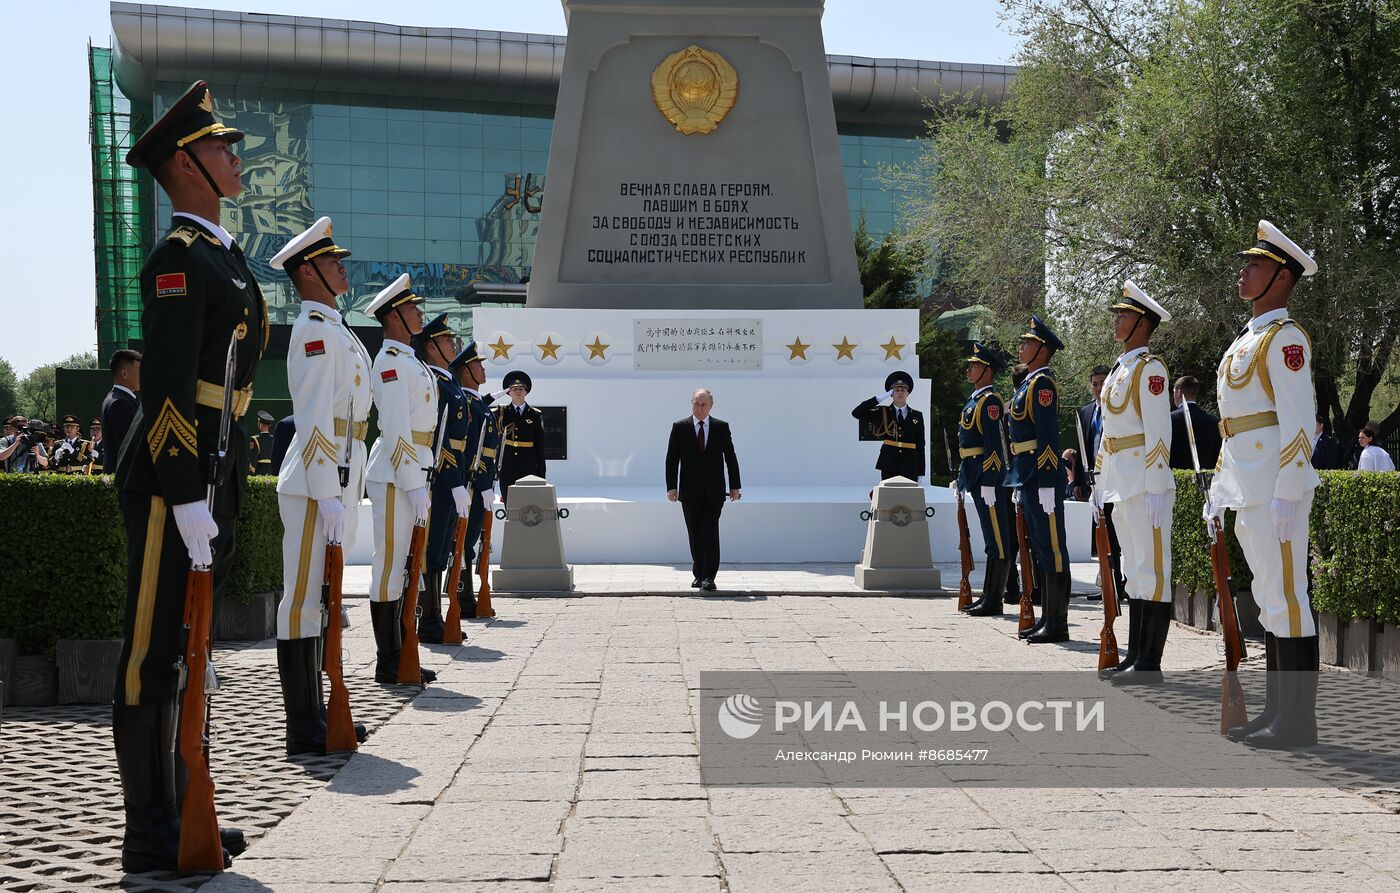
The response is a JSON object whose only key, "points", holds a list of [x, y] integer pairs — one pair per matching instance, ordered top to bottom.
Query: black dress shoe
{"points": [[695, 584], [707, 585]]}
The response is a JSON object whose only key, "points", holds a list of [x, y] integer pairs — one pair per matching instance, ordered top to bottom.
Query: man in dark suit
{"points": [[119, 406], [1090, 421], [900, 425], [1206, 426], [281, 439], [700, 450], [1327, 453]]}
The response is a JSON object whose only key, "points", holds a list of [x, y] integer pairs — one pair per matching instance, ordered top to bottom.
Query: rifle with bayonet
{"points": [[964, 536], [1023, 539], [452, 625], [1108, 642], [410, 670], [1232, 712], [340, 724], [200, 847]]}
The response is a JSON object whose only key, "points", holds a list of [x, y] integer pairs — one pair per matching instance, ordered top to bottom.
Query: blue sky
{"points": [[46, 226]]}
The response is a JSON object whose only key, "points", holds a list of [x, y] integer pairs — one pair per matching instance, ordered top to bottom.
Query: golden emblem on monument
{"points": [[695, 88]]}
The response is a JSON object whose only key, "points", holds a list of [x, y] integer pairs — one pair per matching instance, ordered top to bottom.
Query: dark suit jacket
{"points": [[118, 409], [1084, 418], [1207, 428], [281, 439], [1327, 454], [697, 476]]}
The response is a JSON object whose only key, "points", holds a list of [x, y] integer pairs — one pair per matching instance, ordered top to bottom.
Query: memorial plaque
{"points": [[684, 345], [556, 431]]}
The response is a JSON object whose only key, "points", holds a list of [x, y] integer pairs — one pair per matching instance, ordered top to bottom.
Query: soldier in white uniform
{"points": [[405, 393], [1267, 412], [1135, 476], [318, 490]]}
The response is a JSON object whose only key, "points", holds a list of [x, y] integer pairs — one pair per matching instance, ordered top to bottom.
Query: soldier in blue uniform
{"points": [[197, 294], [436, 346], [471, 374], [980, 472], [1035, 476]]}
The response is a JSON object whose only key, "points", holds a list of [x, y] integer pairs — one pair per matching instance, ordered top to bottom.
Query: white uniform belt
{"points": [[1240, 424]]}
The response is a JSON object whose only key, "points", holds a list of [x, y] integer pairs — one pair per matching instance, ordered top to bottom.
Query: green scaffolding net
{"points": [[122, 207]]}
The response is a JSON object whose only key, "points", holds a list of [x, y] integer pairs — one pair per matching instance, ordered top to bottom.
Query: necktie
{"points": [[1098, 428], [700, 435]]}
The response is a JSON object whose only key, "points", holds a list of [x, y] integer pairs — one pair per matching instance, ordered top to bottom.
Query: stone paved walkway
{"points": [[558, 751]]}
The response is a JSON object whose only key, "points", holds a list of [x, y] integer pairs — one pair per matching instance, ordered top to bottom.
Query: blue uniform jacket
{"points": [[1035, 434], [979, 442]]}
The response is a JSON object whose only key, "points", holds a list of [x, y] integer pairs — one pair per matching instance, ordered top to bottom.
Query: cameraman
{"points": [[20, 450]]}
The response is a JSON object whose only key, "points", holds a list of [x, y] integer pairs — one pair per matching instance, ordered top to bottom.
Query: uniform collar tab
{"points": [[215, 229]]}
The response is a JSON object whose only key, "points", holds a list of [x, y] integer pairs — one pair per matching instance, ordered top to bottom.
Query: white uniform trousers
{"points": [[393, 528], [1147, 550], [303, 565], [1280, 569]]}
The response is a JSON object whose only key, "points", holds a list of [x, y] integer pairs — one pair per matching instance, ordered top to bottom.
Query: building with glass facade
{"points": [[427, 146]]}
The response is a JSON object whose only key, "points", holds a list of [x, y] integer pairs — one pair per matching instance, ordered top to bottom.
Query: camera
{"points": [[26, 436]]}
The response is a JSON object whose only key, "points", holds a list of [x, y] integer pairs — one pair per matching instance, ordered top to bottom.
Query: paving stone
{"points": [[653, 855], [456, 865], [810, 872], [308, 873], [1165, 881]]}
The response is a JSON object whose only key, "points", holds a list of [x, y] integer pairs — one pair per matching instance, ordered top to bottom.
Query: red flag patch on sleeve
{"points": [[170, 285], [315, 348], [1293, 356], [389, 375], [1156, 384], [1045, 396]]}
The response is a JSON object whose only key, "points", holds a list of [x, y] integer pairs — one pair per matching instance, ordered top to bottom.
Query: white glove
{"points": [[496, 395], [887, 395], [62, 451], [953, 487], [989, 496], [1016, 496], [488, 498], [1047, 500], [1096, 500], [418, 501], [463, 501], [1156, 509], [1285, 515], [333, 517], [1214, 518], [197, 528]]}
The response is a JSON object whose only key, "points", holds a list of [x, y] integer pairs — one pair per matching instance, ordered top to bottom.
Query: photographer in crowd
{"points": [[22, 448]]}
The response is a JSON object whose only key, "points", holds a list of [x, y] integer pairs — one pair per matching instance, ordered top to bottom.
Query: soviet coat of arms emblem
{"points": [[695, 88]]}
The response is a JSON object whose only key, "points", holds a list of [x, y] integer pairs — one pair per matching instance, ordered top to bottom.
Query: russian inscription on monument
{"points": [[694, 162]]}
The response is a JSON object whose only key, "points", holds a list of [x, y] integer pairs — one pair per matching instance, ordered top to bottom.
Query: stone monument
{"points": [[897, 554], [532, 559]]}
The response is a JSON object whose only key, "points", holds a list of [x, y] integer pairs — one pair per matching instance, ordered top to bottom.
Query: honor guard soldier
{"points": [[198, 295], [436, 346], [471, 374], [405, 393], [1267, 413], [900, 425], [1034, 432], [522, 434], [261, 445], [96, 448], [70, 454], [981, 470], [1134, 476], [319, 488]]}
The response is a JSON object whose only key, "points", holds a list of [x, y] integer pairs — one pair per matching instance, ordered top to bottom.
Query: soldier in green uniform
{"points": [[198, 295], [261, 445], [70, 454]]}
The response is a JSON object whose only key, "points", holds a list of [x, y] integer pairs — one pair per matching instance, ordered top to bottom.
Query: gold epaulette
{"points": [[185, 235], [316, 315]]}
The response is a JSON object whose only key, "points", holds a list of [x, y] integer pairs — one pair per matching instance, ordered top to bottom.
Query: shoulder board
{"points": [[185, 235], [317, 315], [1290, 321], [392, 351]]}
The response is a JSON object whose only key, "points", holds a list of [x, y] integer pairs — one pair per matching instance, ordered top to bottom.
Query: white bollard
{"points": [[532, 548], [897, 554]]}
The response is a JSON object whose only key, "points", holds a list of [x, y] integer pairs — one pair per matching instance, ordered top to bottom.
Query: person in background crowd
{"points": [[119, 406], [1205, 425], [260, 445], [21, 449], [71, 452], [95, 452], [1327, 453], [1373, 458], [1069, 462]]}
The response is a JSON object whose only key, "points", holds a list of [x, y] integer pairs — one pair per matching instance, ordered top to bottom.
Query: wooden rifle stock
{"points": [[1023, 535], [965, 552], [483, 566], [452, 625], [1108, 642], [410, 671], [1232, 712], [340, 725], [200, 849]]}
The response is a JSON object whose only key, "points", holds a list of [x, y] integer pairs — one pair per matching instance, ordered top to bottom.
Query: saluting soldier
{"points": [[197, 293], [436, 346], [471, 374], [406, 396], [1267, 413], [900, 425], [522, 434], [261, 445], [70, 454], [981, 470], [1035, 474], [1135, 477], [319, 490]]}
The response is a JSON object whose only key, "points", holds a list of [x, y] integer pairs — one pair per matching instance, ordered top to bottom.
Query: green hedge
{"points": [[1355, 544], [64, 555]]}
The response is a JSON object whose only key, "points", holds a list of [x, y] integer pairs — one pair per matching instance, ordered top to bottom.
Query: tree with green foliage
{"points": [[1145, 139], [890, 270], [9, 390], [36, 392]]}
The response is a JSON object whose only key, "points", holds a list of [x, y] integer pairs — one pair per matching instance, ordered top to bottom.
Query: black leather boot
{"points": [[993, 583], [1013, 583], [466, 594], [1036, 599], [1055, 613], [384, 618], [430, 627], [1134, 638], [296, 667], [1147, 669], [425, 675], [1266, 716], [1295, 724], [361, 733], [143, 736]]}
